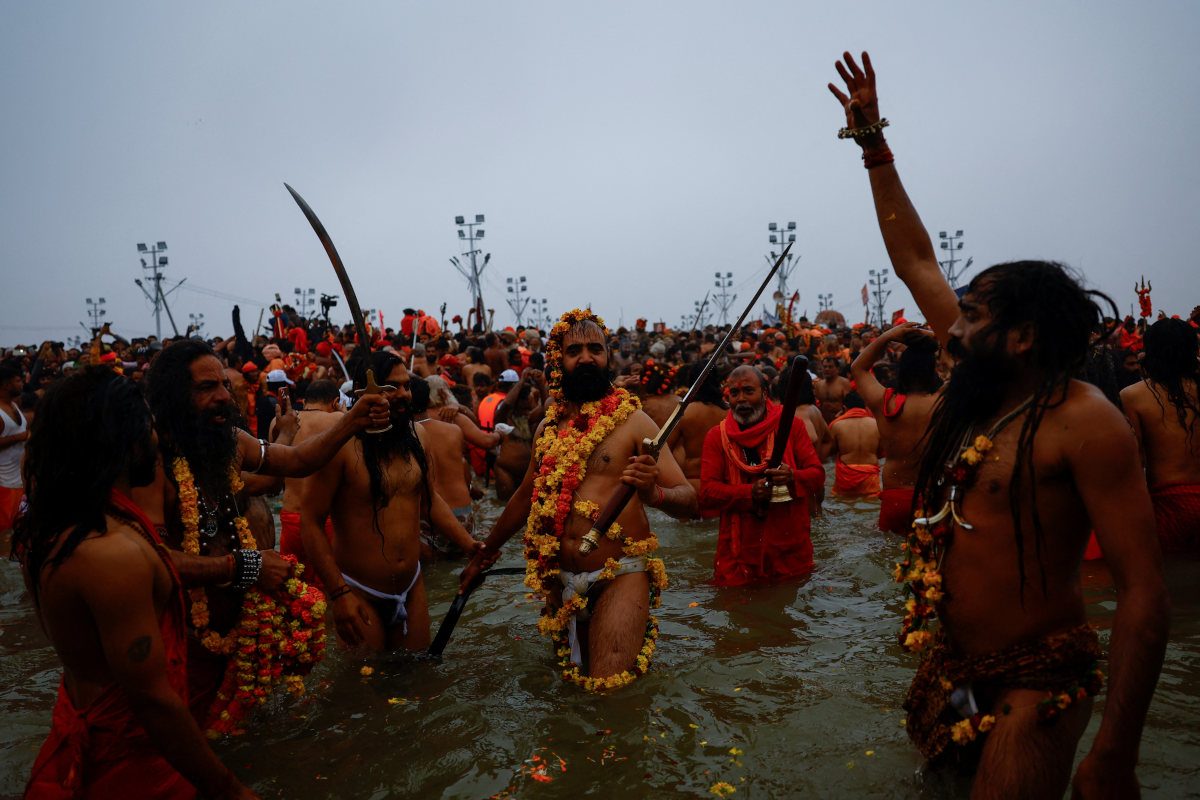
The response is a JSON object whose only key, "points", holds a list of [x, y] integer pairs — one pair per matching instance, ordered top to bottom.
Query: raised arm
{"points": [[904, 236], [869, 388], [370, 411]]}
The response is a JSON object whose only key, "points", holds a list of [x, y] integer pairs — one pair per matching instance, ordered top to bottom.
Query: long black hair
{"points": [[1047, 297], [1171, 351], [91, 429], [380, 448], [210, 450]]}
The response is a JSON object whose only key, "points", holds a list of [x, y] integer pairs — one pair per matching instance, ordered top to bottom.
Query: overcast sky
{"points": [[622, 152]]}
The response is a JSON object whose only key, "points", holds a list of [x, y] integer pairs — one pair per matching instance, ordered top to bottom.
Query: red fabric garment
{"points": [[299, 339], [1131, 341], [893, 403], [855, 480], [10, 504], [896, 510], [1177, 515], [292, 544], [753, 550], [1093, 551], [101, 751]]}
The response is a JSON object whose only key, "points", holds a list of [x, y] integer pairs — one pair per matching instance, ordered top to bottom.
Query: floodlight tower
{"points": [[467, 233], [782, 237], [951, 245], [155, 266], [878, 281], [518, 289], [724, 300], [306, 301], [825, 301], [96, 312], [541, 313], [196, 324]]}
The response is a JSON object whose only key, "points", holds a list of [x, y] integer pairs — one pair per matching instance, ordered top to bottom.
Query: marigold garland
{"points": [[562, 455], [920, 572], [279, 636]]}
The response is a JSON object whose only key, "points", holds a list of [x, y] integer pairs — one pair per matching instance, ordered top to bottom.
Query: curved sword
{"points": [[351, 298]]}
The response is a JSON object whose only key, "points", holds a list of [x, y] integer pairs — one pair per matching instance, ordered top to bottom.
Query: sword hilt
{"points": [[374, 388]]}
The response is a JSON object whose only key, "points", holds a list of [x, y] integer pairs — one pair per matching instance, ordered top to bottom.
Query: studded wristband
{"points": [[247, 567]]}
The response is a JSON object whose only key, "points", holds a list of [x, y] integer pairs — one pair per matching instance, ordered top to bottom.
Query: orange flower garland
{"points": [[562, 455], [279, 636]]}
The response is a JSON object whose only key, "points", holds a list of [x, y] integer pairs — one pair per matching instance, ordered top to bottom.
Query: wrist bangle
{"points": [[865, 130], [659, 497], [341, 592]]}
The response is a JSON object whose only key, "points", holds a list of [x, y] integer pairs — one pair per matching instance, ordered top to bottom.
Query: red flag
{"points": [[864, 293], [897, 316]]}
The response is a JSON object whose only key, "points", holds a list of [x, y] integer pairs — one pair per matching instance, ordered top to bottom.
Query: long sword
{"points": [[351, 298], [652, 447]]}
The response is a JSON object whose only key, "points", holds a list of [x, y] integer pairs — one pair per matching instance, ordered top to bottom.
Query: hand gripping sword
{"points": [[351, 299], [651, 447]]}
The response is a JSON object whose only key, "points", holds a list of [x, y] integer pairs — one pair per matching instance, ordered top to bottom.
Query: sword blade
{"points": [[338, 267], [656, 444]]}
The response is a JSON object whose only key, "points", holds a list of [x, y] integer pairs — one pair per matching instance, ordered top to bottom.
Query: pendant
{"points": [[210, 527]]}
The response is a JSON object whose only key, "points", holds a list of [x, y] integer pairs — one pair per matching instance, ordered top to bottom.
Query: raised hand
{"points": [[860, 101]]}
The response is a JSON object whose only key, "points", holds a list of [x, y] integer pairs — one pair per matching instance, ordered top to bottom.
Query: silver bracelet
{"points": [[262, 457], [247, 565]]}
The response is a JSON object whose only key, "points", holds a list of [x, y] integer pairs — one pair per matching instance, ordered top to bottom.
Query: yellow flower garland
{"points": [[562, 456]]}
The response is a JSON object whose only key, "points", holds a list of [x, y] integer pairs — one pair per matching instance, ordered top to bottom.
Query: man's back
{"points": [[856, 439], [444, 449], [1171, 455]]}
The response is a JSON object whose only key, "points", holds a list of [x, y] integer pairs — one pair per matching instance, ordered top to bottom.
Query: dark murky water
{"points": [[781, 692]]}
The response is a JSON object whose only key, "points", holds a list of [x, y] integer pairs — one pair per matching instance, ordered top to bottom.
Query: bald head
{"points": [[748, 372]]}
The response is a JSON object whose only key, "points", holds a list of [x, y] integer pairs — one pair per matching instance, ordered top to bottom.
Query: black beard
{"points": [[586, 383], [977, 384], [211, 447]]}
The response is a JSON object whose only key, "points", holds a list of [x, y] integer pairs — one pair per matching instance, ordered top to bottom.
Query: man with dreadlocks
{"points": [[1162, 409], [1020, 461], [378, 490], [201, 507], [111, 602], [597, 603]]}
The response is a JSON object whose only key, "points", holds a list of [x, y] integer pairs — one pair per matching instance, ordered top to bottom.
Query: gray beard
{"points": [[753, 418]]}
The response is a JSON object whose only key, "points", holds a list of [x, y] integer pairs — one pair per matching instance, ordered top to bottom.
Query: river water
{"points": [[786, 691]]}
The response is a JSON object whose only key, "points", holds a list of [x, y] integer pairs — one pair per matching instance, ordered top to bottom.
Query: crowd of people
{"points": [[1020, 428]]}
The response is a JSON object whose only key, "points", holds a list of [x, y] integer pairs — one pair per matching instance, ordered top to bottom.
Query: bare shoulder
{"points": [[1136, 394], [1086, 406], [314, 423], [640, 424], [120, 554]]}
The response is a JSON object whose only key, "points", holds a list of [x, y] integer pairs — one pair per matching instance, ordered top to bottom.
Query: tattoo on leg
{"points": [[139, 651]]}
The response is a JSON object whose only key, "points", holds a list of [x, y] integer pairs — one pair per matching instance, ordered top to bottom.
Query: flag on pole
{"points": [[865, 296]]}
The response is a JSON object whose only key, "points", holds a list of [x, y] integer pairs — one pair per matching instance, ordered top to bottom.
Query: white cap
{"points": [[279, 376], [509, 376]]}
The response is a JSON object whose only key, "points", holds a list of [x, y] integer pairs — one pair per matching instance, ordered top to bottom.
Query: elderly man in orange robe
{"points": [[760, 541]]}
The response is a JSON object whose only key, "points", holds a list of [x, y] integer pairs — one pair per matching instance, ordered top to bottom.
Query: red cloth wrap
{"points": [[893, 403], [855, 480], [896, 510], [1177, 516], [292, 543], [753, 550], [102, 751]]}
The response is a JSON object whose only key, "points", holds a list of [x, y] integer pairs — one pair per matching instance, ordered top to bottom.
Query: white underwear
{"points": [[580, 583]]}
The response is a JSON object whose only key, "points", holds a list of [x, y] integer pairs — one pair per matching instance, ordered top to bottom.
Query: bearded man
{"points": [[1163, 409], [1020, 462], [377, 489], [197, 498], [760, 541], [597, 604]]}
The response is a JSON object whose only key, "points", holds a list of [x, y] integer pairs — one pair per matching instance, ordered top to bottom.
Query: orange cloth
{"points": [[854, 480], [10, 504], [896, 510], [1177, 515], [292, 544], [101, 751]]}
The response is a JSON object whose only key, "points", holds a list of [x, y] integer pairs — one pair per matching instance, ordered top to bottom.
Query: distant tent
{"points": [[831, 319]]}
